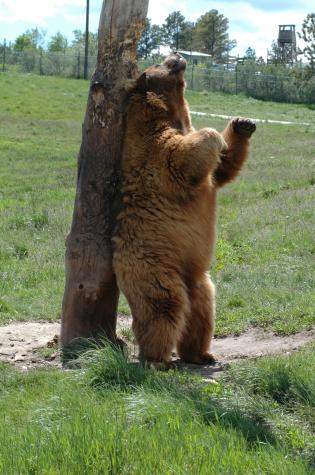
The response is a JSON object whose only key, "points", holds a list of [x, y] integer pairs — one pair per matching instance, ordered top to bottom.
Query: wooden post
{"points": [[91, 293]]}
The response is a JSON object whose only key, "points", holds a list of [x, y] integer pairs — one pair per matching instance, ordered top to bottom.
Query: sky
{"points": [[251, 23]]}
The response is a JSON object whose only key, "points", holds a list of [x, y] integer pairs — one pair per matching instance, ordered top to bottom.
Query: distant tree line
{"points": [[209, 34], [33, 40], [31, 52]]}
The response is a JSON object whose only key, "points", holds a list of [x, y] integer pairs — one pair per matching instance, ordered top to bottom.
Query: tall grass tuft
{"points": [[107, 367], [286, 379]]}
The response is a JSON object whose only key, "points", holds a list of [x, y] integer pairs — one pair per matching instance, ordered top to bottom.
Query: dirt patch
{"points": [[254, 343], [28, 344], [35, 344]]}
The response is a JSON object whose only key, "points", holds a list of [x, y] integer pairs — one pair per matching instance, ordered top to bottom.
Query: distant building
{"points": [[196, 57]]}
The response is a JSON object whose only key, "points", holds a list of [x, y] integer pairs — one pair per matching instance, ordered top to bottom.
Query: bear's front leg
{"points": [[236, 135], [192, 157]]}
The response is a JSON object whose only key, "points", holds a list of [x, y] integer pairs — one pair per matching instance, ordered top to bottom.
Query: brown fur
{"points": [[165, 232]]}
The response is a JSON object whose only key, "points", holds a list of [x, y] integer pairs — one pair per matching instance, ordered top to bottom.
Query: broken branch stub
{"points": [[91, 293]]}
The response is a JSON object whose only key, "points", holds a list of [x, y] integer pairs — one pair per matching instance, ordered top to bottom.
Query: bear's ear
{"points": [[142, 83]]}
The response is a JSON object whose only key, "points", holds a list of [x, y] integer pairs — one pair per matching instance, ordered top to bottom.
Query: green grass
{"points": [[220, 103], [264, 266], [288, 380], [114, 417]]}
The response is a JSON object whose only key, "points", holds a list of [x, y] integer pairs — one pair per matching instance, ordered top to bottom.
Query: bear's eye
{"points": [[157, 65]]}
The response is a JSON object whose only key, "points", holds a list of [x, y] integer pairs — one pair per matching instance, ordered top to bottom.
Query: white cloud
{"points": [[159, 10], [34, 11], [78, 20]]}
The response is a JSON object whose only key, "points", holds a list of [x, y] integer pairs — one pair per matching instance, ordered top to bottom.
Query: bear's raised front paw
{"points": [[245, 127]]}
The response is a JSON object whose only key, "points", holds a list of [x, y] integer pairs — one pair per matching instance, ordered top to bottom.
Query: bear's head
{"points": [[165, 79], [162, 86]]}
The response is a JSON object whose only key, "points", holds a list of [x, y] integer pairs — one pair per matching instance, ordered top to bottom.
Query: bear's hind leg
{"points": [[159, 313], [194, 345]]}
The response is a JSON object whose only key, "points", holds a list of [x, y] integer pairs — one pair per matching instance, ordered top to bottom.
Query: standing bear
{"points": [[165, 231]]}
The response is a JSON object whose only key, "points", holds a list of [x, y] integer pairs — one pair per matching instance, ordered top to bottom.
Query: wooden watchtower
{"points": [[287, 44]]}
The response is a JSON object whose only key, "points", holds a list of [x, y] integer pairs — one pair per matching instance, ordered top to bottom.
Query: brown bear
{"points": [[165, 231]]}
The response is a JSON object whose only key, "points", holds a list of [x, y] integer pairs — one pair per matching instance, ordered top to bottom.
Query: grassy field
{"points": [[264, 264], [112, 417]]}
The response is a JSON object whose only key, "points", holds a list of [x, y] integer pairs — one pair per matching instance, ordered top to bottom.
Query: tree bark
{"points": [[91, 294]]}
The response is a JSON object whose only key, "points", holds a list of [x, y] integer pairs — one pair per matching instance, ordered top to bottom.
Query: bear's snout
{"points": [[175, 63]]}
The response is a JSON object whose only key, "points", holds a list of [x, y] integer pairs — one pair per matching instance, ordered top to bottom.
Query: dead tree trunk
{"points": [[91, 293]]}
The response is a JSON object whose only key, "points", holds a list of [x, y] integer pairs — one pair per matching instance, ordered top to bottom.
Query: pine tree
{"points": [[177, 32], [211, 35], [308, 36], [30, 40], [149, 40], [79, 42], [58, 43], [250, 54]]}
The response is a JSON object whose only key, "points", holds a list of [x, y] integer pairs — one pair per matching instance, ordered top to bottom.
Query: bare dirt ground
{"points": [[29, 345]]}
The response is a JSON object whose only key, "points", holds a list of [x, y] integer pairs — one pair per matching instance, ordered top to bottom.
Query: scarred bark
{"points": [[91, 293]]}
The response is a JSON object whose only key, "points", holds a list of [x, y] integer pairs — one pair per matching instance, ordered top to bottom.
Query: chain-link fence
{"points": [[69, 64], [274, 87]]}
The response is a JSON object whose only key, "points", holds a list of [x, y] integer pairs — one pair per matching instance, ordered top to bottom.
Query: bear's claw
{"points": [[245, 127], [207, 358], [204, 359], [160, 365]]}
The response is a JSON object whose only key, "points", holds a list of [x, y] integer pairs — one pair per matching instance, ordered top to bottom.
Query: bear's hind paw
{"points": [[205, 358], [160, 365]]}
